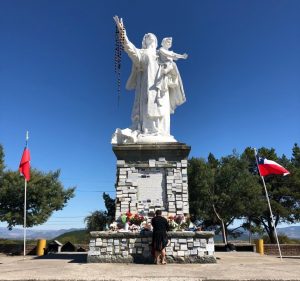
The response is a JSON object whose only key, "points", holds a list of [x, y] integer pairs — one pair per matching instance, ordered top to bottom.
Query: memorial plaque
{"points": [[151, 191]]}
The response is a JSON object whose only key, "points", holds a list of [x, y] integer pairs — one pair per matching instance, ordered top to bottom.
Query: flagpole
{"points": [[25, 191], [25, 205], [271, 213], [273, 223]]}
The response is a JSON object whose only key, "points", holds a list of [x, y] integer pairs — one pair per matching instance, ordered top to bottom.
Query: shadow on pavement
{"points": [[73, 257], [292, 257]]}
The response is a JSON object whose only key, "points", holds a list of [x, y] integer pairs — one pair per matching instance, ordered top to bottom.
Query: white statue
{"points": [[158, 90]]}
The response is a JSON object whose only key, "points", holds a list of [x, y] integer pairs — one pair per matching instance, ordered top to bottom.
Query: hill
{"points": [[290, 231], [17, 233], [80, 236], [75, 237]]}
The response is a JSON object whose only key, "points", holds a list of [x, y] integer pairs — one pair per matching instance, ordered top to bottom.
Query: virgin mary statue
{"points": [[152, 105]]}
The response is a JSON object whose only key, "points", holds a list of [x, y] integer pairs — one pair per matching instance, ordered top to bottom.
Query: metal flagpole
{"points": [[25, 190], [25, 207], [271, 213], [273, 223]]}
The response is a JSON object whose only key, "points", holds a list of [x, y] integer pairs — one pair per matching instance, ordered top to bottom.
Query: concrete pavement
{"points": [[230, 266]]}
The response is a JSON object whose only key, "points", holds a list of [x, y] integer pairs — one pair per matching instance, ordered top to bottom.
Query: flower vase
{"points": [[126, 227]]}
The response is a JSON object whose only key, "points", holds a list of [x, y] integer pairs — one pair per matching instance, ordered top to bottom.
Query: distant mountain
{"points": [[290, 231], [17, 233]]}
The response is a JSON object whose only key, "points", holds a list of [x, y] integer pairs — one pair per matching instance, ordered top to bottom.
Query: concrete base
{"points": [[143, 152], [129, 247]]}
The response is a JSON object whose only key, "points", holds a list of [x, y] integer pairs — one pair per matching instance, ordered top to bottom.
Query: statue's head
{"points": [[149, 39], [167, 42]]}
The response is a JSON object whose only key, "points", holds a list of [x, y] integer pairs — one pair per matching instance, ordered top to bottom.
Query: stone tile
{"points": [[120, 163], [183, 247], [210, 247], [193, 252], [94, 253], [180, 253], [200, 253]]}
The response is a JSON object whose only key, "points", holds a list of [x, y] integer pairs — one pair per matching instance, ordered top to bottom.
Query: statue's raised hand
{"points": [[119, 23], [185, 56]]}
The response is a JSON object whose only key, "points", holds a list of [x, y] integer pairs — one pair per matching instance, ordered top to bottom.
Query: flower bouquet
{"points": [[132, 219], [136, 219], [172, 224]]}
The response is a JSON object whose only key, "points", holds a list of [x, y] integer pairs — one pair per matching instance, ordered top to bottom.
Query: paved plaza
{"points": [[230, 266]]}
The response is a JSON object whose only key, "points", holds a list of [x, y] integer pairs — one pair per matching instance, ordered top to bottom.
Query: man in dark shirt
{"points": [[159, 238]]}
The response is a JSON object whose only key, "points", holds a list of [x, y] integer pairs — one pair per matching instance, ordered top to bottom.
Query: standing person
{"points": [[150, 117], [159, 238]]}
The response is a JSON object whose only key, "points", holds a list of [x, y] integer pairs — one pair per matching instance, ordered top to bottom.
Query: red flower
{"points": [[128, 215]]}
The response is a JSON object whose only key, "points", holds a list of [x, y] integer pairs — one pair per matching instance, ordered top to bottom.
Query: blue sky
{"points": [[57, 80]]}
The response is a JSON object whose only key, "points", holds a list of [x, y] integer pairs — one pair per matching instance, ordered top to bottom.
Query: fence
{"points": [[286, 249]]}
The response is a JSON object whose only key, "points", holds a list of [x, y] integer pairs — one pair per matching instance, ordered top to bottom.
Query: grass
{"points": [[75, 237], [18, 242]]}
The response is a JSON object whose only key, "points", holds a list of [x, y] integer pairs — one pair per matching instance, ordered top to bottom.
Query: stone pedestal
{"points": [[152, 177], [129, 247]]}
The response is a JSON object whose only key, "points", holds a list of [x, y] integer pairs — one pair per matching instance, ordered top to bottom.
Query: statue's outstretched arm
{"points": [[129, 48], [173, 55], [183, 56]]}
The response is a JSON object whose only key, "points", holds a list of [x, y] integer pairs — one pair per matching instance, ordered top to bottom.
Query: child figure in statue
{"points": [[168, 74]]}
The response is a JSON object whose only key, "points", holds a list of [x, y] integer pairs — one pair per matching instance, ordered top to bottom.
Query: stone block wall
{"points": [[145, 186], [118, 247], [286, 249]]}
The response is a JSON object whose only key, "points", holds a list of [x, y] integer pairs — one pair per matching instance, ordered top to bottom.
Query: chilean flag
{"points": [[24, 166], [268, 167]]}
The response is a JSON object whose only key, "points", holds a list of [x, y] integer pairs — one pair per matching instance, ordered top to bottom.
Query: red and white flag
{"points": [[24, 166], [268, 167]]}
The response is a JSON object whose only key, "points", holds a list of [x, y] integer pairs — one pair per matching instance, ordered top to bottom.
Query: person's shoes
{"points": [[158, 260], [163, 261]]}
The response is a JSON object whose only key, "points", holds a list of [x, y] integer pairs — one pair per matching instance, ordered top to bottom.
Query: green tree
{"points": [[296, 156], [1, 162], [1, 175], [201, 180], [221, 191], [284, 192], [45, 194], [110, 207], [96, 221]]}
